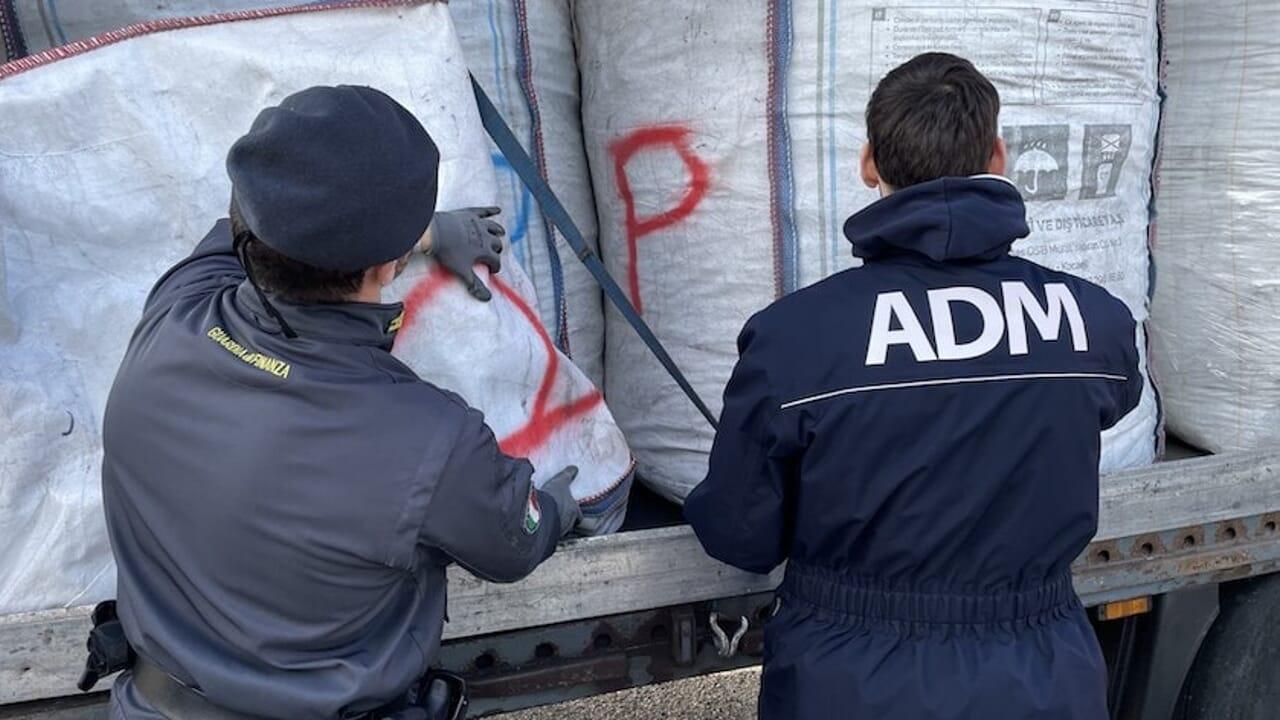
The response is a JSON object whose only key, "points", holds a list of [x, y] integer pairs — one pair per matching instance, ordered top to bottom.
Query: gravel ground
{"points": [[723, 696]]}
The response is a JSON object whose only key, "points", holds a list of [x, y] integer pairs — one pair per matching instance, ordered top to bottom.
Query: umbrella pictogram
{"points": [[1035, 161]]}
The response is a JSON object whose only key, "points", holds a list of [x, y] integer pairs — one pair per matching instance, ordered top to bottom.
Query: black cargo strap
{"points": [[554, 211], [173, 699]]}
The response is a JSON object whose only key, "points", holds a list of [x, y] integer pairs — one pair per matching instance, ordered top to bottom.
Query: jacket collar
{"points": [[948, 219], [354, 323]]}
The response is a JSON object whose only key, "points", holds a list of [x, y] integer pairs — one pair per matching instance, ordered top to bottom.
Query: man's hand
{"points": [[461, 238], [558, 488]]}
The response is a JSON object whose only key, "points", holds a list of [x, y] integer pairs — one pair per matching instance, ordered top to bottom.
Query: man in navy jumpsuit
{"points": [[918, 439], [283, 495]]}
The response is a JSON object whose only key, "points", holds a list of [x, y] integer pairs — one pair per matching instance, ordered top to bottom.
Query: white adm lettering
{"points": [[889, 306], [1019, 306], [944, 329]]}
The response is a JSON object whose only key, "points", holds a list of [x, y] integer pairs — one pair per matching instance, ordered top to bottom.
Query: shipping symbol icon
{"points": [[1106, 147], [1038, 160]]}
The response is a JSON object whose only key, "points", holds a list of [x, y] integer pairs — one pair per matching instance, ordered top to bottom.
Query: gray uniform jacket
{"points": [[282, 510]]}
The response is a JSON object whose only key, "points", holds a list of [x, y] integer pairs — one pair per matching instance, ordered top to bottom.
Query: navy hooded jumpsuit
{"points": [[918, 439]]}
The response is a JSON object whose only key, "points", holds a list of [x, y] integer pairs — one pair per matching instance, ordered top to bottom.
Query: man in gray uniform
{"points": [[282, 494]]}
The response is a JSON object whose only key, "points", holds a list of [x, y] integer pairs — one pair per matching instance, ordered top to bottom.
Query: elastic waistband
{"points": [[870, 599]]}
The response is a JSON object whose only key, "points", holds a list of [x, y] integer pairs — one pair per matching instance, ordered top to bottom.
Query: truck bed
{"points": [[1171, 525]]}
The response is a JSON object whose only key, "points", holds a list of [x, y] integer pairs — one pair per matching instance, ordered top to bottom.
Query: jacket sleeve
{"points": [[211, 265], [1125, 395], [742, 512], [485, 513]]}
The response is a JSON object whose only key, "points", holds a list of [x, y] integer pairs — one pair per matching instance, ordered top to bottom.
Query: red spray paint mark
{"points": [[623, 149], [423, 292], [544, 422]]}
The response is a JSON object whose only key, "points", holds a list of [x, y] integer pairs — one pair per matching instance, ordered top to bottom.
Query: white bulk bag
{"points": [[49, 23], [522, 53], [724, 139], [112, 167], [1216, 315], [500, 358]]}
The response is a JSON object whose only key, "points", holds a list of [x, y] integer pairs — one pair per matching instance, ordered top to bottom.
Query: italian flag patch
{"points": [[532, 512]]}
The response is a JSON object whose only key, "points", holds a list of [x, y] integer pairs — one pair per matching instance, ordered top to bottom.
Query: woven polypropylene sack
{"points": [[50, 23], [522, 53], [724, 137], [112, 167], [1216, 316]]}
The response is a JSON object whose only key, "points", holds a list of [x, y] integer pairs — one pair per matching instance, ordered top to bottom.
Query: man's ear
{"points": [[999, 158], [867, 166]]}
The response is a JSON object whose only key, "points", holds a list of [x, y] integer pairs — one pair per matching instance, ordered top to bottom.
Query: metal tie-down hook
{"points": [[727, 646]]}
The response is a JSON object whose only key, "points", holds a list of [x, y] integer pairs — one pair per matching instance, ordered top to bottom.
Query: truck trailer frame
{"points": [[648, 606]]}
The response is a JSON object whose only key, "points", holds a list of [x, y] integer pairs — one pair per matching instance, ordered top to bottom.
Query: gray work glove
{"points": [[462, 238], [558, 488]]}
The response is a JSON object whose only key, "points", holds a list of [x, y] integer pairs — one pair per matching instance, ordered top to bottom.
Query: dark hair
{"points": [[932, 116], [290, 279]]}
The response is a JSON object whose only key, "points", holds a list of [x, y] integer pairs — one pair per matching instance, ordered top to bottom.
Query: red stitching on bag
{"points": [[80, 47], [530, 90]]}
